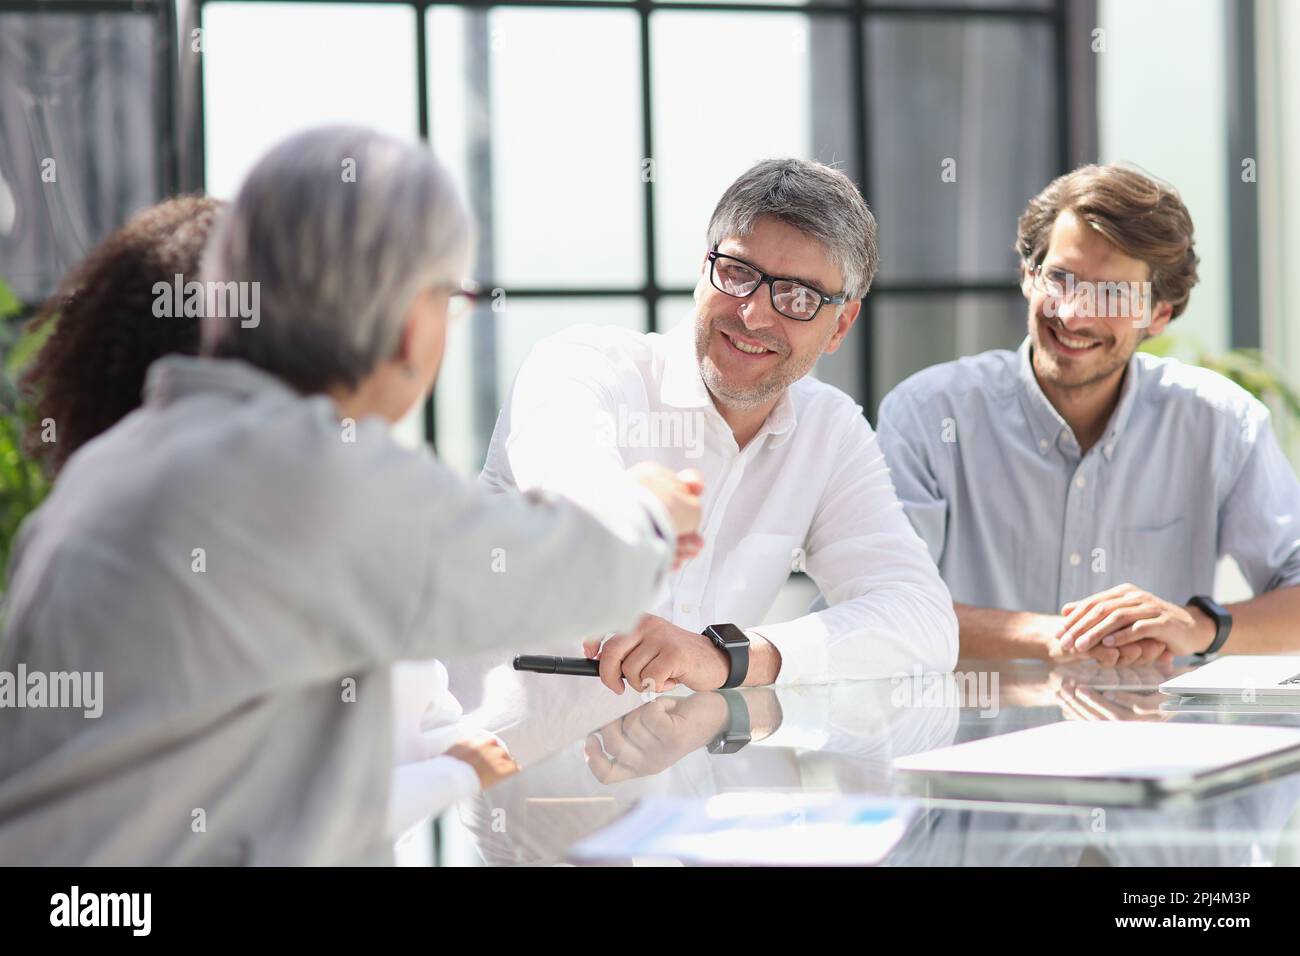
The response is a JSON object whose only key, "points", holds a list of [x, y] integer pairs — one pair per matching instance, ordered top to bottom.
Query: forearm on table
{"points": [[1266, 624], [997, 634], [860, 639], [764, 661]]}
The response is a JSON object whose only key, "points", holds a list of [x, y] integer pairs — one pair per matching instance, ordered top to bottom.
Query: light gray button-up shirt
{"points": [[992, 478], [243, 571]]}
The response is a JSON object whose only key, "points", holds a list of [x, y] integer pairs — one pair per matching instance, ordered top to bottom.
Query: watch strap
{"points": [[1222, 622], [737, 655], [738, 731]]}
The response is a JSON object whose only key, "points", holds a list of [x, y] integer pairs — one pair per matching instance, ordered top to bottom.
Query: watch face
{"points": [[729, 634]]}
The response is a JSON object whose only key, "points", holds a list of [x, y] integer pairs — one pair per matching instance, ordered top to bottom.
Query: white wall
{"points": [[1278, 36]]}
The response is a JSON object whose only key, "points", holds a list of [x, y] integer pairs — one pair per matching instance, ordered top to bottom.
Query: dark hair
{"points": [[1143, 218], [90, 370]]}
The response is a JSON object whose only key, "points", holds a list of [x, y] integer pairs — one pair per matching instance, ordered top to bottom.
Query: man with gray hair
{"points": [[795, 478]]}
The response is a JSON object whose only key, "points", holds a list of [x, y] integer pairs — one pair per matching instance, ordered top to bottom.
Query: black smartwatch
{"points": [[1217, 613], [732, 641], [737, 733]]}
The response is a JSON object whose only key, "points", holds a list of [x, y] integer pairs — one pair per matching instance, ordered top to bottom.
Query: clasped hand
{"points": [[1127, 625]]}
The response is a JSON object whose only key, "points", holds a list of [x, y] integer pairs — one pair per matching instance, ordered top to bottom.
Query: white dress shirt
{"points": [[810, 492]]}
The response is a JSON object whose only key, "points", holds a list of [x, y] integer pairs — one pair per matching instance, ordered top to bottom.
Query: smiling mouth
{"points": [[1070, 342], [745, 348]]}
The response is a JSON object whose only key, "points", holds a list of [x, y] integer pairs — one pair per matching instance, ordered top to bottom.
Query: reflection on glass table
{"points": [[589, 758]]}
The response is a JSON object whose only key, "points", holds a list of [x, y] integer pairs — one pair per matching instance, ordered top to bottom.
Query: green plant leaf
{"points": [[9, 304], [23, 485]]}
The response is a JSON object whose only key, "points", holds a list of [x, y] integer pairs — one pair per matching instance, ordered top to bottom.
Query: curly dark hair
{"points": [[90, 370]]}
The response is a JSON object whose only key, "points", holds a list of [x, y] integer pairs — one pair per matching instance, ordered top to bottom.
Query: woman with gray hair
{"points": [[213, 594]]}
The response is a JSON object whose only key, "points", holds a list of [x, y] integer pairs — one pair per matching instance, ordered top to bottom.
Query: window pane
{"points": [[346, 63], [761, 75], [956, 97], [538, 111], [78, 138], [672, 310], [914, 332], [484, 353]]}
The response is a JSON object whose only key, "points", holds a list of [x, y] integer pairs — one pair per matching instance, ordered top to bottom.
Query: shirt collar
{"points": [[174, 377], [682, 386], [1124, 408], [780, 420], [1046, 423]]}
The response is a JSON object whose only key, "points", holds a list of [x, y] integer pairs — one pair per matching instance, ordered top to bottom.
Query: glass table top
{"points": [[588, 757]]}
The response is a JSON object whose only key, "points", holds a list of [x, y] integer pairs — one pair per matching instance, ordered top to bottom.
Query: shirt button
{"points": [[1042, 444], [1109, 448], [1080, 481], [1075, 559], [686, 608]]}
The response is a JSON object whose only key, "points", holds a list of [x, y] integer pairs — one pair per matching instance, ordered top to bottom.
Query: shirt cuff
{"points": [[659, 517], [662, 523], [802, 644], [462, 779], [426, 788]]}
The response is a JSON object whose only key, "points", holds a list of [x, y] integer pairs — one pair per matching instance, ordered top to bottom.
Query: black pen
{"points": [[543, 664]]}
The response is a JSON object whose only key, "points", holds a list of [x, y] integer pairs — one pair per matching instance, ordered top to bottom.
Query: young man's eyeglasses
{"points": [[790, 297], [1092, 299]]}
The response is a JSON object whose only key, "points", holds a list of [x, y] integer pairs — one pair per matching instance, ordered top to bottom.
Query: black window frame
{"points": [[855, 14]]}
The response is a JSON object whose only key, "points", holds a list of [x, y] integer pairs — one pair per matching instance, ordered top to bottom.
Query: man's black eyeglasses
{"points": [[790, 297]]}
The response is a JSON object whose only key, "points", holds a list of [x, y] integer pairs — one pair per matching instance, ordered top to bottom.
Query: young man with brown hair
{"points": [[1077, 494]]}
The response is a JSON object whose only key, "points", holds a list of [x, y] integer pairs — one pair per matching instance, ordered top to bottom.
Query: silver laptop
{"points": [[1251, 680]]}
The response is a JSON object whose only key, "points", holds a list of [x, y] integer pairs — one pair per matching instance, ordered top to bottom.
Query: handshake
{"points": [[679, 493], [657, 655]]}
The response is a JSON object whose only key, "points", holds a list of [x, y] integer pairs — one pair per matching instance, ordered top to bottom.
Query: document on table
{"points": [[756, 828]]}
